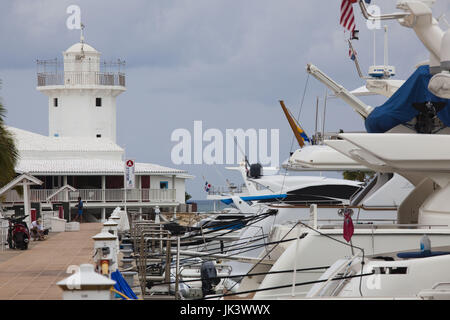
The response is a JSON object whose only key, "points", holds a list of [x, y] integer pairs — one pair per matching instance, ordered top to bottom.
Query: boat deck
{"points": [[33, 274]]}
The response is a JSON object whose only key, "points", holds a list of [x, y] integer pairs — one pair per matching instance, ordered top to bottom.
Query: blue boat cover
{"points": [[398, 109], [257, 198], [421, 254], [122, 286]]}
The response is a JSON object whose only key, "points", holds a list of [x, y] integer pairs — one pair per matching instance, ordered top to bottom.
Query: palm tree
{"points": [[8, 151]]}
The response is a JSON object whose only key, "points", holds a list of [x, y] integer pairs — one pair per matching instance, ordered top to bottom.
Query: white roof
{"points": [[76, 48], [29, 141], [42, 155], [91, 167], [18, 180], [85, 277]]}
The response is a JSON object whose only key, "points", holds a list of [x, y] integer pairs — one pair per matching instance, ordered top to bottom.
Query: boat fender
{"points": [[425, 244]]}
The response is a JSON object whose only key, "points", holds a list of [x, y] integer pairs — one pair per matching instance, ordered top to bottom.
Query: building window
{"points": [[55, 102], [98, 102], [99, 136], [164, 185]]}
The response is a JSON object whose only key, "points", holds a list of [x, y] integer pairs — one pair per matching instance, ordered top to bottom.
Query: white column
{"points": [[139, 187], [173, 188], [103, 189], [66, 192], [103, 198], [26, 201], [103, 215]]}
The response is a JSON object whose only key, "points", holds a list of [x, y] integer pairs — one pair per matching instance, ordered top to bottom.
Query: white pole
{"points": [[385, 47], [374, 48], [324, 114], [124, 180], [26, 202], [294, 271], [177, 275]]}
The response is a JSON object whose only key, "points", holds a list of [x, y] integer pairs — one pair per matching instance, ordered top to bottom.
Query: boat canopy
{"points": [[399, 109], [257, 198]]}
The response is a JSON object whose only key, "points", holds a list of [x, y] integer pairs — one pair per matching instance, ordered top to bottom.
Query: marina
{"points": [[350, 214]]}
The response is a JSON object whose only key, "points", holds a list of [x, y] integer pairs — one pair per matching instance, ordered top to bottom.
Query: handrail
{"points": [[389, 16], [69, 78], [96, 195], [341, 206], [378, 226], [345, 264]]}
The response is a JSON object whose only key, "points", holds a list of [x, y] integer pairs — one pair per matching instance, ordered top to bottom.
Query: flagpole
{"points": [[124, 181]]}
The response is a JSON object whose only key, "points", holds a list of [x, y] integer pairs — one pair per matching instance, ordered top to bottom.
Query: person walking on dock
{"points": [[80, 210]]}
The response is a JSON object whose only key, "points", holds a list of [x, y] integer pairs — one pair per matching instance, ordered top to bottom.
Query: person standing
{"points": [[80, 210], [157, 212]]}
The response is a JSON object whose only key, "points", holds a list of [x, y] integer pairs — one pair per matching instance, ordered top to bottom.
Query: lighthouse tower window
{"points": [[55, 102], [98, 102]]}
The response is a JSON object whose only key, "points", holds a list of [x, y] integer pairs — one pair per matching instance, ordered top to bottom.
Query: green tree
{"points": [[8, 151], [357, 175], [187, 196]]}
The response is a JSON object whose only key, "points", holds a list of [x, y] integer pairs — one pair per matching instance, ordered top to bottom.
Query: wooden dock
{"points": [[32, 274]]}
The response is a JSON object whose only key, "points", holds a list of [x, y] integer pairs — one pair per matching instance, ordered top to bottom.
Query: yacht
{"points": [[405, 137]]}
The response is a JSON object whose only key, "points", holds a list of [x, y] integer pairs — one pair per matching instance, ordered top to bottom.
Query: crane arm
{"points": [[360, 107]]}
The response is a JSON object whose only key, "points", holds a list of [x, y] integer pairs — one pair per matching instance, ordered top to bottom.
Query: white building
{"points": [[81, 149]]}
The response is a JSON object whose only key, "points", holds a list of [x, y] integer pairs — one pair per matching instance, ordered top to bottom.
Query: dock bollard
{"points": [[115, 216], [112, 227], [105, 252], [86, 284]]}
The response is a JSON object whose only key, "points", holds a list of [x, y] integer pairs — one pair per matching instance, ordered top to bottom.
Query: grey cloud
{"points": [[224, 62]]}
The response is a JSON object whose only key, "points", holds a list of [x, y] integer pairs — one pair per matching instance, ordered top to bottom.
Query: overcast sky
{"points": [[224, 62]]}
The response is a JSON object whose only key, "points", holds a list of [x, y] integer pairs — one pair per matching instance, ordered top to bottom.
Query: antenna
{"points": [[82, 33], [82, 40], [386, 47], [374, 48], [384, 71], [324, 113], [317, 116], [243, 153]]}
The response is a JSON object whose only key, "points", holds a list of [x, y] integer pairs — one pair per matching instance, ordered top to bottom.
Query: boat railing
{"points": [[227, 190], [391, 224], [320, 288]]}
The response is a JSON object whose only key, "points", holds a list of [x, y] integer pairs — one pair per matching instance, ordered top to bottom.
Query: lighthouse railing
{"points": [[81, 78]]}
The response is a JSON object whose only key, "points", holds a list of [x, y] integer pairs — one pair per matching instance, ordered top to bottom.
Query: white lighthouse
{"points": [[82, 96], [80, 157]]}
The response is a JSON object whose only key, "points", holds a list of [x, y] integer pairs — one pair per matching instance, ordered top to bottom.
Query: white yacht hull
{"points": [[316, 250]]}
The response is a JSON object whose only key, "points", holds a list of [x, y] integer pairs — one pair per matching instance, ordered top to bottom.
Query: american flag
{"points": [[347, 15]]}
